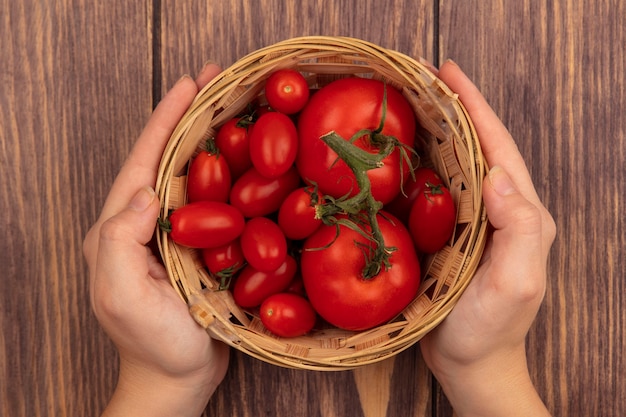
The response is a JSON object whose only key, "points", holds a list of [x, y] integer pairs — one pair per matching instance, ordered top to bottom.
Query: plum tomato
{"points": [[287, 91], [347, 106], [233, 143], [273, 144], [208, 178], [255, 195], [401, 205], [296, 216], [432, 218], [204, 224], [263, 244], [227, 258], [332, 271], [253, 286], [287, 315]]}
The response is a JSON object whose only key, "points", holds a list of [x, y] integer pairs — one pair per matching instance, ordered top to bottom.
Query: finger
{"points": [[208, 72], [496, 142], [140, 169], [518, 256], [121, 262]]}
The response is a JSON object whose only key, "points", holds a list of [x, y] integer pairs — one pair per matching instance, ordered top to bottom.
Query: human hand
{"points": [[478, 352], [168, 363]]}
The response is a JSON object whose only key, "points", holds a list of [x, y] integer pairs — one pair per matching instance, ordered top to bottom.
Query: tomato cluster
{"points": [[309, 206]]}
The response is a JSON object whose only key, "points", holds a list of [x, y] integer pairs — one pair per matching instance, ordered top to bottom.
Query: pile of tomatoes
{"points": [[310, 208]]}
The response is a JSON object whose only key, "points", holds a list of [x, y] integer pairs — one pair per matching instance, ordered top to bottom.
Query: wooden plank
{"points": [[193, 32], [553, 72], [75, 90]]}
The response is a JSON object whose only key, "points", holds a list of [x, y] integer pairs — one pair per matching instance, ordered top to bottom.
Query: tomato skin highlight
{"points": [[287, 91], [347, 106], [233, 143], [273, 144], [208, 178], [255, 195], [401, 205], [296, 216], [432, 219], [205, 224], [263, 244], [333, 276], [252, 286], [287, 315]]}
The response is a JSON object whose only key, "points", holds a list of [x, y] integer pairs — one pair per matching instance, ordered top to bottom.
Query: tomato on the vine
{"points": [[287, 91], [346, 107], [233, 143], [273, 144], [208, 178], [255, 195], [401, 205], [296, 216], [432, 218], [204, 224], [263, 244], [332, 270], [253, 286], [287, 315]]}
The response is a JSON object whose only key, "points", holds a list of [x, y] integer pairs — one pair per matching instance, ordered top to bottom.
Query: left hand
{"points": [[168, 363]]}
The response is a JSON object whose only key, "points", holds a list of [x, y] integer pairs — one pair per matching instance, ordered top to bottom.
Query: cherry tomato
{"points": [[287, 91], [347, 106], [233, 143], [273, 144], [208, 178], [255, 195], [401, 205], [296, 216], [432, 218], [205, 224], [263, 244], [225, 258], [332, 271], [253, 286], [287, 315]]}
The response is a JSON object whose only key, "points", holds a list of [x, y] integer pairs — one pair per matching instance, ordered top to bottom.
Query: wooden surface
{"points": [[79, 79]]}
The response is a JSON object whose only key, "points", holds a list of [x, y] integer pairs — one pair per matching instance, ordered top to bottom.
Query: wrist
{"points": [[494, 386], [141, 391]]}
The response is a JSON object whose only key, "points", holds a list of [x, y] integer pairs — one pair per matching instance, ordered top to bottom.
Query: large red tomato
{"points": [[347, 106], [335, 285]]}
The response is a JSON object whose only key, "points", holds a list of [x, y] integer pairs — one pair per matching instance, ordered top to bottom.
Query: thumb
{"points": [[134, 224], [122, 255], [516, 257]]}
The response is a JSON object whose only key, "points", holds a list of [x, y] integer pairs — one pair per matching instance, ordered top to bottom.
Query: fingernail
{"points": [[208, 64], [184, 77], [501, 182], [142, 199]]}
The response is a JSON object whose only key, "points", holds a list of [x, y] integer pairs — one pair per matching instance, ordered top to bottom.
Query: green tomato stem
{"points": [[360, 162]]}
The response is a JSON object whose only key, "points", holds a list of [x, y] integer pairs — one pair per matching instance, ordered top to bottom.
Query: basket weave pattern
{"points": [[450, 145]]}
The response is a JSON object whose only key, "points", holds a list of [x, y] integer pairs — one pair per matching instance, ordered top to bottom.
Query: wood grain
{"points": [[553, 72], [79, 80], [76, 90]]}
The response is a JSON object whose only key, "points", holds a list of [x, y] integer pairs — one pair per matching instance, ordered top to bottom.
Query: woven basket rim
{"points": [[453, 148]]}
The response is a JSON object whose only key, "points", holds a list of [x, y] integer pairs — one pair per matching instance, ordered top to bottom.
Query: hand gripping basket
{"points": [[450, 146]]}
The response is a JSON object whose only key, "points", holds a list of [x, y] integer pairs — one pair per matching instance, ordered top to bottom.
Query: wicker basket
{"points": [[451, 147]]}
